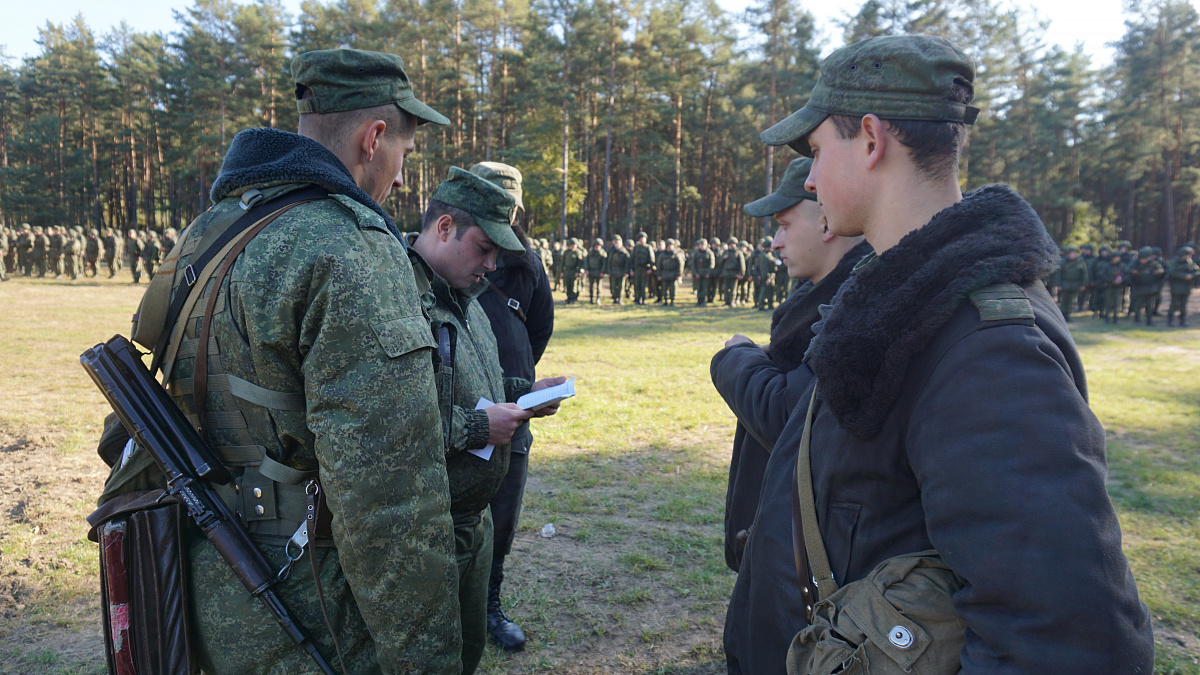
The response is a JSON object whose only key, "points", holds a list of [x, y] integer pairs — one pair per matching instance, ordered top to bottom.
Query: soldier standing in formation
{"points": [[41, 243], [91, 254], [133, 254], [150, 254], [597, 263], [703, 264], [619, 268], [643, 268], [572, 269], [733, 270], [669, 271], [1183, 277], [1110, 278], [1072, 280], [1145, 280]]}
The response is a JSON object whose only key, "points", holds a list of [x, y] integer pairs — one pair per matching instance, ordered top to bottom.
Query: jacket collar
{"points": [[892, 307]]}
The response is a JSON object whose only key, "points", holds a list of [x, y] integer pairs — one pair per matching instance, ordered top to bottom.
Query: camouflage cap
{"points": [[897, 77], [350, 79], [504, 175], [789, 193], [490, 206], [641, 235], [615, 237], [731, 240], [701, 241], [714, 241], [597, 242], [765, 242], [1124, 243], [1089, 247], [1072, 249], [1185, 250], [1145, 252]]}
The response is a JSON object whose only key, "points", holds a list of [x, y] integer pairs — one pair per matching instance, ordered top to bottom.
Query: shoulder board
{"points": [[365, 217], [1002, 302]]}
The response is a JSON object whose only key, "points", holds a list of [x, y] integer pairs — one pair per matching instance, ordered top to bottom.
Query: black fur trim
{"points": [[260, 158], [885, 315], [792, 321]]}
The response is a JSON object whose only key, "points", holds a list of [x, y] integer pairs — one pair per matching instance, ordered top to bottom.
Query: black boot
{"points": [[1170, 320], [505, 633]]}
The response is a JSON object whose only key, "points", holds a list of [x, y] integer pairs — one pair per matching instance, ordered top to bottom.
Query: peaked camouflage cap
{"points": [[897, 77], [350, 79], [506, 176], [789, 193], [490, 206]]}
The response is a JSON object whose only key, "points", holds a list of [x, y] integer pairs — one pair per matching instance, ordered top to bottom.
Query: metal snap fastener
{"points": [[257, 493], [259, 510], [900, 637]]}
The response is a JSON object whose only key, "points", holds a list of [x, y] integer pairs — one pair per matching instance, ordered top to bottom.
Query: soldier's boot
{"points": [[1149, 317], [1170, 319], [1183, 320], [504, 631]]}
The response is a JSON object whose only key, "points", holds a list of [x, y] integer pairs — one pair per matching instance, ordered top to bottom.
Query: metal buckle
{"points": [[189, 276], [514, 303]]}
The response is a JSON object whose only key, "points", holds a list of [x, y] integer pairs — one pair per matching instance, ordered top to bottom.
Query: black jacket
{"points": [[521, 279], [763, 389], [937, 427]]}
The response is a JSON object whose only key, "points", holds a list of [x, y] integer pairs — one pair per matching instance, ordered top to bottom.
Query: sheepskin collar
{"points": [[261, 158], [889, 311], [792, 321]]}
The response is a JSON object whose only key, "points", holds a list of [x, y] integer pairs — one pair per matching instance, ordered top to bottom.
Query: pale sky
{"points": [[1093, 23]]}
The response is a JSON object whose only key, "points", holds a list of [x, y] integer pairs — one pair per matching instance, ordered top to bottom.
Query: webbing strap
{"points": [[252, 215], [267, 398], [240, 455], [282, 473], [818, 561]]}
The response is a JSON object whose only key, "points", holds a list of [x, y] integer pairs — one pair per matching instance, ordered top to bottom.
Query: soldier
{"points": [[464, 227], [168, 241], [41, 244], [5, 248], [25, 249], [112, 251], [91, 253], [68, 254], [133, 254], [150, 254], [1087, 255], [1128, 259], [597, 263], [703, 263], [572, 265], [556, 268], [619, 268], [643, 268], [733, 270], [669, 272], [1183, 275], [1072, 280], [1111, 280], [1145, 280], [1162, 281], [764, 297], [1096, 302], [345, 406]]}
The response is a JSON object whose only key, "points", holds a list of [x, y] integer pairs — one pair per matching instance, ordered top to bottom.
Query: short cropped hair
{"points": [[333, 129], [934, 147], [463, 221]]}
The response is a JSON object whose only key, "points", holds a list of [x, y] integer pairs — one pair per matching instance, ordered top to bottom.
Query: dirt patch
{"points": [[49, 594]]}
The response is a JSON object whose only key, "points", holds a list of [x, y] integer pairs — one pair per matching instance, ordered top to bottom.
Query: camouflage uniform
{"points": [[6, 249], [25, 250], [54, 252], [112, 252], [91, 253], [70, 254], [150, 254], [38, 255], [133, 255], [703, 263], [597, 264], [571, 266], [619, 267], [643, 268], [733, 269], [669, 272], [1183, 274], [1110, 277], [766, 278], [1145, 278], [1072, 280], [323, 305]]}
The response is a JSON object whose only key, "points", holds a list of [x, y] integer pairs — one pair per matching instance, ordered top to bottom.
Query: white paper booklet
{"points": [[535, 400]]}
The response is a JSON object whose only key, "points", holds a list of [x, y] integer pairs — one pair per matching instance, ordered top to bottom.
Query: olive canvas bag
{"points": [[900, 618]]}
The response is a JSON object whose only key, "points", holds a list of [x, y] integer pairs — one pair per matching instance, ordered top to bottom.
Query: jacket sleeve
{"points": [[540, 317], [760, 395], [372, 407], [469, 430], [1011, 466]]}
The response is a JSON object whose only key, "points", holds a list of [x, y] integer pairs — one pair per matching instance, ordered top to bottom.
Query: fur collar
{"points": [[260, 158], [888, 312], [792, 321]]}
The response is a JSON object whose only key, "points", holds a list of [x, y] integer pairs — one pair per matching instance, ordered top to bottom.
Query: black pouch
{"points": [[143, 584]]}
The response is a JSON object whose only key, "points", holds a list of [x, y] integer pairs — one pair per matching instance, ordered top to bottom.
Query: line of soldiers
{"points": [[60, 251], [740, 273], [1121, 281]]}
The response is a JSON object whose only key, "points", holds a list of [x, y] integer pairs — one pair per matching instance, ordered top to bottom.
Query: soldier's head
{"points": [[360, 105], [885, 113], [468, 221], [132, 234], [640, 237], [615, 240], [569, 243], [597, 244], [670, 244], [702, 244], [1123, 247], [1086, 250], [1072, 252], [1186, 252], [1144, 253], [1114, 257]]}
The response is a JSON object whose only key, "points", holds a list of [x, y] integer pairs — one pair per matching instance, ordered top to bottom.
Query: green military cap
{"points": [[897, 77], [350, 79], [504, 175], [789, 193], [490, 206], [37, 228], [641, 235], [615, 237], [731, 240], [701, 241], [714, 241], [765, 241], [597, 242], [744, 243], [1124, 243], [1088, 247], [1072, 249], [1186, 250], [1145, 252]]}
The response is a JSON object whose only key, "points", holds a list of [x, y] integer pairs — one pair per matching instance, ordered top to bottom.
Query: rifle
{"points": [[158, 425]]}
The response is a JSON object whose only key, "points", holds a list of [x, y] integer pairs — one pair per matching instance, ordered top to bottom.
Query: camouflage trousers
{"points": [[641, 279], [572, 283], [616, 284], [702, 284], [594, 289], [1066, 301], [1179, 302], [1140, 303], [473, 550]]}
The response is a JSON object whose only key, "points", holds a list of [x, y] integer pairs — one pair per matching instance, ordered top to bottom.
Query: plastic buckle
{"points": [[249, 199], [189, 276], [514, 303]]}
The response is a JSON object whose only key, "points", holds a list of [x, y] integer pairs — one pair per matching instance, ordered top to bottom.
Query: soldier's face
{"points": [[386, 167], [837, 177], [801, 239], [1071, 255], [465, 257]]}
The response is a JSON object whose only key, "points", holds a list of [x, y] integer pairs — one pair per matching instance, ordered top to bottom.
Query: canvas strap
{"points": [[804, 515]]}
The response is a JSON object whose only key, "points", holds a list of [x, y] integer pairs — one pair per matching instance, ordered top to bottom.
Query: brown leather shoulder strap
{"points": [[200, 369]]}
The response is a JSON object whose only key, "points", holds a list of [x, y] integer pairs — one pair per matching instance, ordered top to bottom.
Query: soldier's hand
{"points": [[737, 340], [542, 384], [503, 420]]}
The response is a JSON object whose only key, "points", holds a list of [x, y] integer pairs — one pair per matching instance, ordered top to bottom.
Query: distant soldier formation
{"points": [[60, 252], [1118, 280]]}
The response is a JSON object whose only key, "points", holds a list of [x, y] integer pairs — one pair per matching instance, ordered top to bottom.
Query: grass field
{"points": [[631, 473]]}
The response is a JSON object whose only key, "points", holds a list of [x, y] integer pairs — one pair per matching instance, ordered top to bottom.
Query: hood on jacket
{"points": [[260, 158], [890, 310]]}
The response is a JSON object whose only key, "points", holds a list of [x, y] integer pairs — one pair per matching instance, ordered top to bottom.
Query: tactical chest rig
{"points": [[268, 495]]}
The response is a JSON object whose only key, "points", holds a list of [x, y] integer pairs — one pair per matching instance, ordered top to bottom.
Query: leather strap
{"points": [[515, 305], [200, 367], [316, 496], [818, 561]]}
